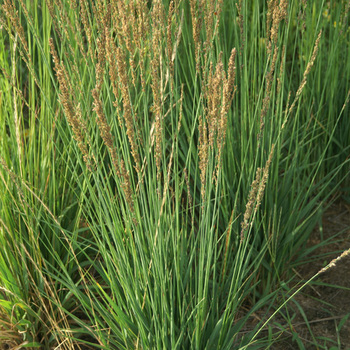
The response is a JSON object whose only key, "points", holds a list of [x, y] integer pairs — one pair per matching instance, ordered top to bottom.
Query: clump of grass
{"points": [[158, 176]]}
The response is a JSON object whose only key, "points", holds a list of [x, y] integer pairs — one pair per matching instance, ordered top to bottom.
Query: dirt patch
{"points": [[321, 312]]}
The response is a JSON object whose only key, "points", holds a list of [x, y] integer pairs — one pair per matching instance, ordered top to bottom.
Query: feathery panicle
{"points": [[271, 5], [209, 10], [217, 12], [277, 12], [101, 13], [12, 14], [84, 15], [126, 15], [196, 15], [142, 18], [240, 18], [240, 21], [142, 28], [135, 39], [169, 41], [172, 53], [314, 54], [101, 60], [306, 73], [113, 75], [279, 79], [156, 83], [65, 87], [229, 90], [218, 94], [267, 98], [214, 99], [346, 100], [72, 109], [286, 111], [128, 116], [103, 125], [80, 129], [105, 129], [107, 138], [203, 154], [264, 178], [126, 184], [256, 193], [251, 202], [334, 261]]}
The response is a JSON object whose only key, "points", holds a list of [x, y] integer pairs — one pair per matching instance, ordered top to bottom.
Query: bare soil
{"points": [[326, 302]]}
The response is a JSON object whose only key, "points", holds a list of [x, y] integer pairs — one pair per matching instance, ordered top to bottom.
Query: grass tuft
{"points": [[162, 166]]}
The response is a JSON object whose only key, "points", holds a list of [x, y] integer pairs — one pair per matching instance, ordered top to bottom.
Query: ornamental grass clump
{"points": [[162, 165]]}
